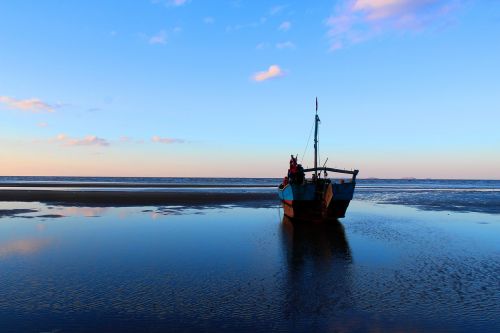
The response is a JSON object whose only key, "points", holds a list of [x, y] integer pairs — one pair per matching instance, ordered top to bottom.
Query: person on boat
{"points": [[292, 170], [296, 172]]}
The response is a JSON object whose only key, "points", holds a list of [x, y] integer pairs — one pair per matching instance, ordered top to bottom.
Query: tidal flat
{"points": [[227, 268]]}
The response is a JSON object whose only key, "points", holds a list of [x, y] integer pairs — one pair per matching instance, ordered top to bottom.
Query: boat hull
{"points": [[316, 201]]}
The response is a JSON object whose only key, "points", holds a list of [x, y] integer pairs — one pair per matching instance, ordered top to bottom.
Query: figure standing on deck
{"points": [[296, 171]]}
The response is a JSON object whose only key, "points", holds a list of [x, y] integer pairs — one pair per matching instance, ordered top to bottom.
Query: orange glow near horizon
{"points": [[137, 164]]}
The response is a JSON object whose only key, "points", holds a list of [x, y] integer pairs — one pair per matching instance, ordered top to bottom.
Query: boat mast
{"points": [[316, 121]]}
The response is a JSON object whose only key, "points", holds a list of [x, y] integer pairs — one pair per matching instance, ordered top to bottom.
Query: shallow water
{"points": [[382, 268]]}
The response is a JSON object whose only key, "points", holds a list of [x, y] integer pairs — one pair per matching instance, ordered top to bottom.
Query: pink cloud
{"points": [[384, 9], [355, 21], [273, 71], [29, 105], [42, 124], [159, 139], [89, 140]]}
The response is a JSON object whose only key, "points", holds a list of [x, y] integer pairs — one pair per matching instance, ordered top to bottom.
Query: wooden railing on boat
{"points": [[354, 173]]}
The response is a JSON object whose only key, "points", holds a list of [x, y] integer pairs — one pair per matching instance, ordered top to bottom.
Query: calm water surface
{"points": [[383, 268]]}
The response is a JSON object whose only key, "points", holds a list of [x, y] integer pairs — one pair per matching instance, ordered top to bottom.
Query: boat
{"points": [[317, 197]]}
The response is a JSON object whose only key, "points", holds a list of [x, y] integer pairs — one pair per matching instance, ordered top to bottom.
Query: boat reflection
{"points": [[316, 241], [319, 270]]}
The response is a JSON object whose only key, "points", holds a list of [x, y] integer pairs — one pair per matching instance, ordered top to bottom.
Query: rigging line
{"points": [[307, 145]]}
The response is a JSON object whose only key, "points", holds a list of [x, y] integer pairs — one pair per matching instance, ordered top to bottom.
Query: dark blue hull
{"points": [[316, 200]]}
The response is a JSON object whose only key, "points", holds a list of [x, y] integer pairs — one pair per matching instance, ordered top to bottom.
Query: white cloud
{"points": [[165, 140]]}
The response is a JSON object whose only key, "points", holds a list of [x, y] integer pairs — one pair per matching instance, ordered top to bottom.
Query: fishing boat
{"points": [[317, 197]]}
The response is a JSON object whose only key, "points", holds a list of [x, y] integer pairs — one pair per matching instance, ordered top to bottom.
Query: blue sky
{"points": [[227, 88]]}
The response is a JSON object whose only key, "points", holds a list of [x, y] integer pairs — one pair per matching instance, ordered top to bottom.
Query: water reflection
{"points": [[82, 211], [316, 241], [23, 246], [319, 272]]}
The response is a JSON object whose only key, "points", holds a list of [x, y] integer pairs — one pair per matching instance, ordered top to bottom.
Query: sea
{"points": [[435, 194], [418, 255]]}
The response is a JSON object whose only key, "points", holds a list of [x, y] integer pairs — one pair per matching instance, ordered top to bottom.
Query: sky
{"points": [[406, 88]]}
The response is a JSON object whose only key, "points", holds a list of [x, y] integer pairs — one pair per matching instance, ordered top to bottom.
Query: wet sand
{"points": [[125, 185], [91, 194], [124, 198], [221, 258], [387, 268]]}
